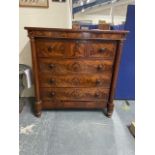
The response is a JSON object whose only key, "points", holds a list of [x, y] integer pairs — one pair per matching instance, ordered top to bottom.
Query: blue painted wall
{"points": [[126, 79]]}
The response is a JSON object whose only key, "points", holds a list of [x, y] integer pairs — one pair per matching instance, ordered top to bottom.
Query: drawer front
{"points": [[50, 48], [62, 49], [76, 49], [102, 50], [74, 66], [76, 81], [81, 94], [73, 104]]}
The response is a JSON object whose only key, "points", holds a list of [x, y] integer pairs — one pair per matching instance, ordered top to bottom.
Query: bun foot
{"points": [[38, 109], [110, 109], [38, 114], [109, 114]]}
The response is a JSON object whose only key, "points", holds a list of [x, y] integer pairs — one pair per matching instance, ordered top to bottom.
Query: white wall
{"points": [[58, 15]]}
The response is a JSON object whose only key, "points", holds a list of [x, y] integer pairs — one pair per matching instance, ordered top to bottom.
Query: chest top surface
{"points": [[76, 34]]}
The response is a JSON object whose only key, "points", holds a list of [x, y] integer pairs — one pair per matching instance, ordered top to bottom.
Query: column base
{"points": [[38, 108], [110, 109]]}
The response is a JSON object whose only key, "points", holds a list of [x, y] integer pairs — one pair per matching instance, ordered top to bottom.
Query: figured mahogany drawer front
{"points": [[50, 48], [64, 49], [76, 49], [102, 50], [74, 66], [76, 81], [81, 94], [73, 104]]}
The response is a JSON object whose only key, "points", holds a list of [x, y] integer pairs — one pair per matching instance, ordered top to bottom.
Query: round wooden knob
{"points": [[50, 49], [102, 50], [51, 66], [100, 67], [51, 81], [98, 82], [51, 94], [97, 95]]}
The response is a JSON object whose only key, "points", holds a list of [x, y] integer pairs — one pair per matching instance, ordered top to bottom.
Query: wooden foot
{"points": [[38, 109], [110, 109], [38, 114], [109, 114]]}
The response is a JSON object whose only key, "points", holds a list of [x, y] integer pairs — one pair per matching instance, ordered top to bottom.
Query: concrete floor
{"points": [[77, 132]]}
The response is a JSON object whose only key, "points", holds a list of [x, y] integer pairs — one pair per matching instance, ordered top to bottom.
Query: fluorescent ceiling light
{"points": [[81, 3]]}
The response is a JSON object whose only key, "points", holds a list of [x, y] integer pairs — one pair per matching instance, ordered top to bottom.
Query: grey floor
{"points": [[77, 132]]}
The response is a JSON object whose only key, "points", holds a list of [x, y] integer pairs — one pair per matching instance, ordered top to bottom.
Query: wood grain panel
{"points": [[76, 34], [46, 48], [60, 48], [76, 49], [102, 50], [51, 66], [76, 81], [81, 94], [73, 105]]}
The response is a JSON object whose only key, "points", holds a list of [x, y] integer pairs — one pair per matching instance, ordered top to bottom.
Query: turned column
{"points": [[38, 102], [110, 105]]}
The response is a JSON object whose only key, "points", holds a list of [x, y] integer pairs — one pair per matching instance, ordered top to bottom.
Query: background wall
{"points": [[58, 15], [95, 18]]}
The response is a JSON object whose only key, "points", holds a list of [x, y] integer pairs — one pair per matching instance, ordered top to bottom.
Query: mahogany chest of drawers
{"points": [[75, 69]]}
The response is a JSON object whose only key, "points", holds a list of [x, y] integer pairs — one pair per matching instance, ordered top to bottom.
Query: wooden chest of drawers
{"points": [[75, 68]]}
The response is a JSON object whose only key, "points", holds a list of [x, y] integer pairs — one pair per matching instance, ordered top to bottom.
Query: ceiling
{"points": [[80, 5], [101, 7]]}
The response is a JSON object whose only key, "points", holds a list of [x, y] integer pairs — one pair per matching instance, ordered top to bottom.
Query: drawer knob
{"points": [[50, 49], [102, 50], [51, 66], [100, 67], [51, 81], [98, 82], [51, 94], [97, 95]]}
